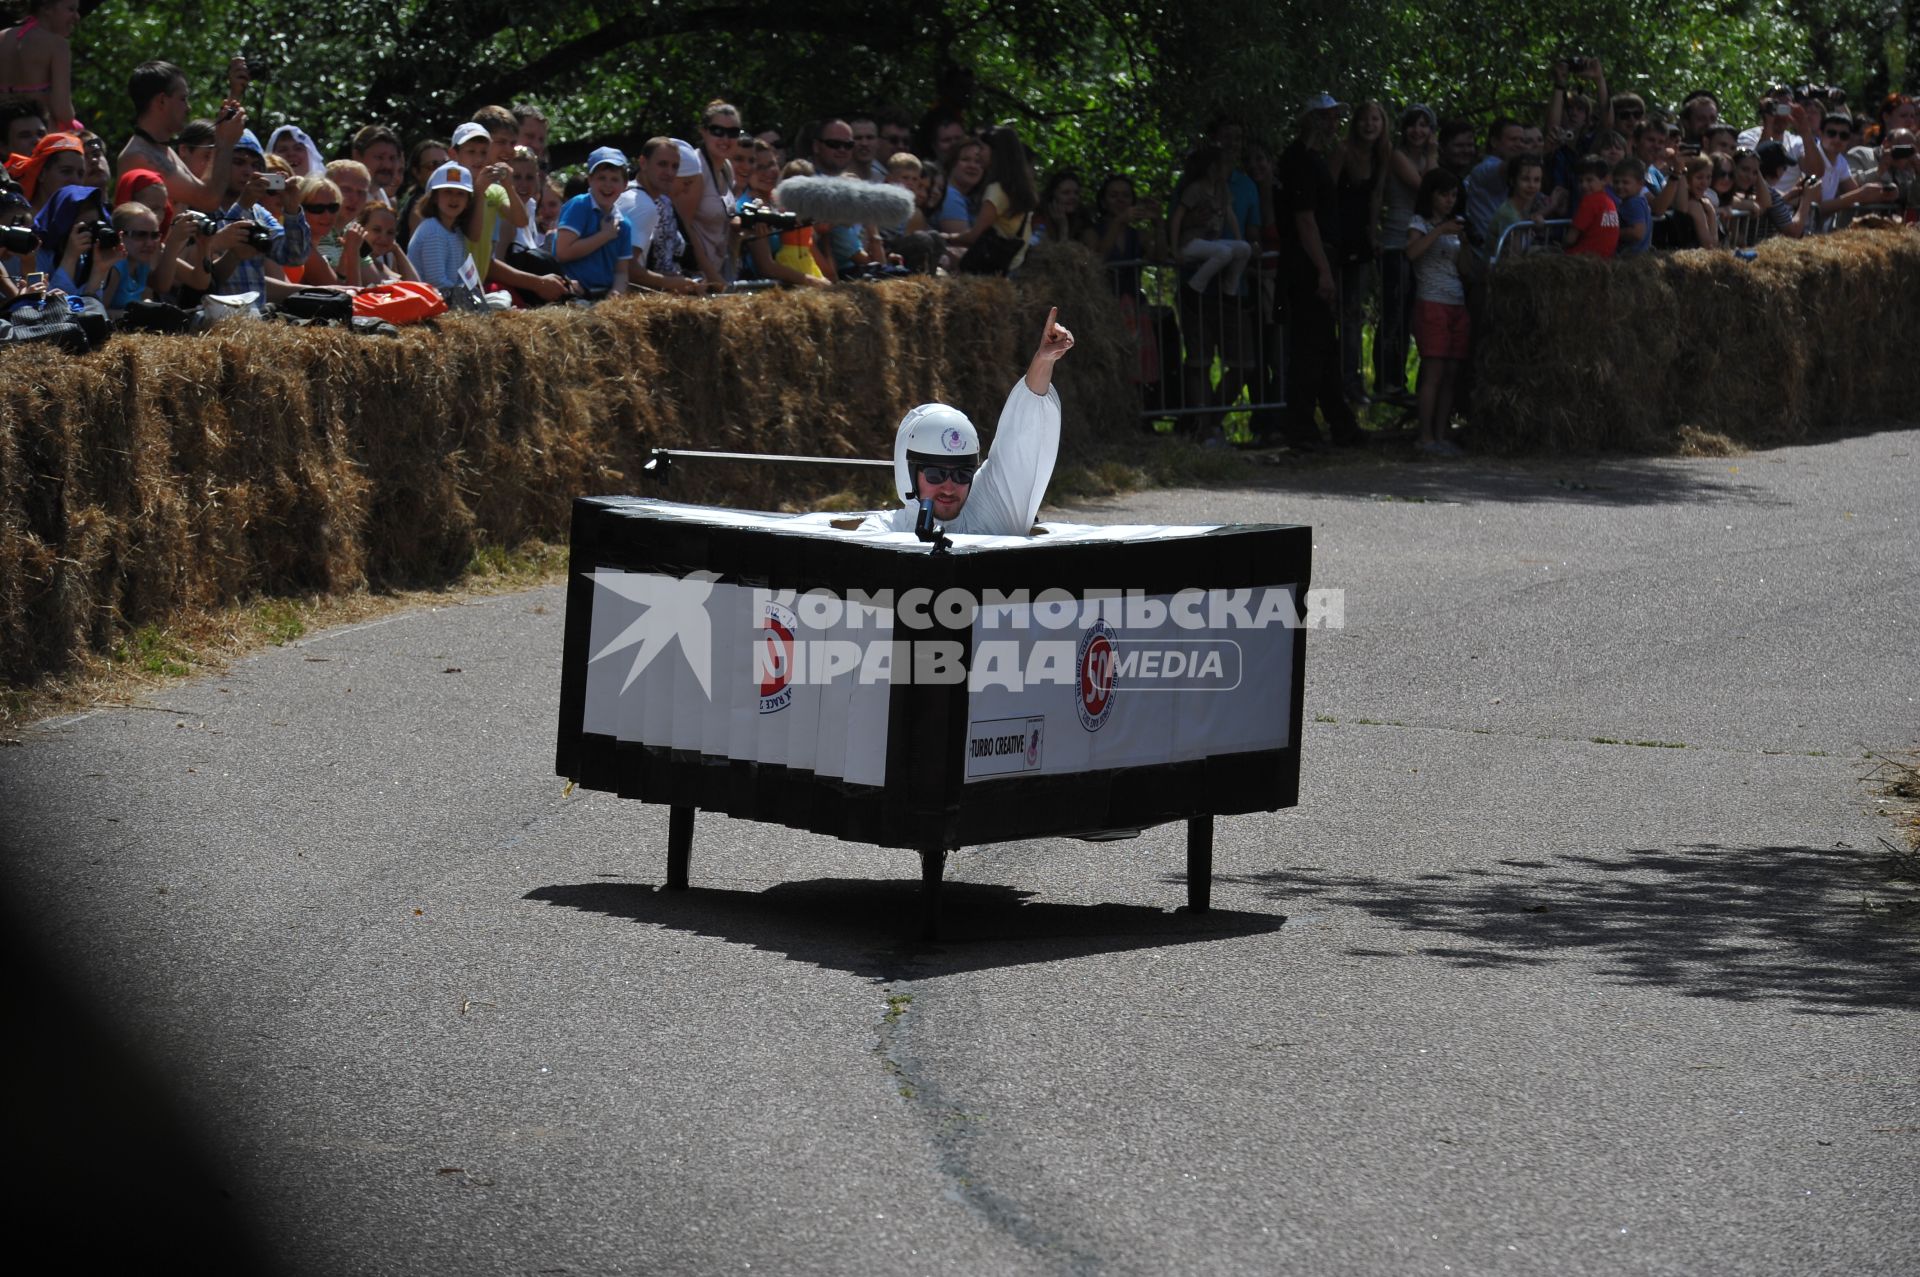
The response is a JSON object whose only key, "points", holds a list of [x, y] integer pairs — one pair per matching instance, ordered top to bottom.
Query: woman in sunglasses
{"points": [[319, 199], [706, 209], [936, 456]]}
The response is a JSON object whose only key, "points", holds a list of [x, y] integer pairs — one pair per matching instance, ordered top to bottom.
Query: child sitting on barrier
{"points": [[1525, 173], [1630, 199], [1596, 226], [1204, 228]]}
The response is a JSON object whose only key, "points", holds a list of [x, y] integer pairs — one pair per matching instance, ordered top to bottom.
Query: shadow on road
{"points": [[1587, 481], [1743, 924], [866, 926]]}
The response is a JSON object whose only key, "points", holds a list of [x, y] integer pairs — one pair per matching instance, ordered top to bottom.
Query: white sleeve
{"points": [[641, 213], [1012, 482]]}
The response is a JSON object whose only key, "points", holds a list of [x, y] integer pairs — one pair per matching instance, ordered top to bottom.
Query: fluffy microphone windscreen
{"points": [[844, 201]]}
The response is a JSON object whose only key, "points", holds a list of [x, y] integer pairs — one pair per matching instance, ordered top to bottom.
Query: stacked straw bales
{"points": [[1579, 355], [164, 473]]}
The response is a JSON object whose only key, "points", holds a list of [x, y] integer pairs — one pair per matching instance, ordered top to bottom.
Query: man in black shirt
{"points": [[1307, 225]]}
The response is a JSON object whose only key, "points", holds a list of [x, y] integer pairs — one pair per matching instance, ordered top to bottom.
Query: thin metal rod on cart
{"points": [[660, 462], [679, 846], [1200, 864]]}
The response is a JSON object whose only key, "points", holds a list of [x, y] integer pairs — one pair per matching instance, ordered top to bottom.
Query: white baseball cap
{"points": [[469, 131], [690, 165], [451, 175]]}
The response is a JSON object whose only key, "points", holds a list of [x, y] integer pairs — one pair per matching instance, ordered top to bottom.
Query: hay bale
{"points": [[1578, 355], [167, 473]]}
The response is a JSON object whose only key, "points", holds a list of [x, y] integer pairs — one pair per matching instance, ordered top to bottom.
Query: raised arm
{"points": [[1055, 342]]}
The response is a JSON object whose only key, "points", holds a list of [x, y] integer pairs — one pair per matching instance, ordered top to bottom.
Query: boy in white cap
{"points": [[473, 151], [594, 241], [936, 456]]}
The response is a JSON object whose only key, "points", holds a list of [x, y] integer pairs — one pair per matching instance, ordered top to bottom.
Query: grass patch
{"points": [[517, 565], [277, 621], [155, 651], [1898, 780], [897, 1004]]}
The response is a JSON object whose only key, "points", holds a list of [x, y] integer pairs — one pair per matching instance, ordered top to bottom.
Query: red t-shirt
{"points": [[1598, 222]]}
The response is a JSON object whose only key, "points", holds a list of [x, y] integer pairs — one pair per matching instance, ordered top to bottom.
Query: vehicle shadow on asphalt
{"points": [[1742, 924], [869, 927]]}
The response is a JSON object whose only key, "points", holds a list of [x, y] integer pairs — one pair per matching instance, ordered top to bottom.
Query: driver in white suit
{"points": [[936, 456]]}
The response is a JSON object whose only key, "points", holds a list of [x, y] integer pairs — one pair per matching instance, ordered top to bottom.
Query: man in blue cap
{"points": [[240, 259]]}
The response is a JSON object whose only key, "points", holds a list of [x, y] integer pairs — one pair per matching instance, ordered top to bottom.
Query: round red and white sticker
{"points": [[1094, 688]]}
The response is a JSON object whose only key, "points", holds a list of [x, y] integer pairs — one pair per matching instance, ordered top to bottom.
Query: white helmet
{"points": [[932, 434]]}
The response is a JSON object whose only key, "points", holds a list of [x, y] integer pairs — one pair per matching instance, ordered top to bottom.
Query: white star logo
{"points": [[676, 609]]}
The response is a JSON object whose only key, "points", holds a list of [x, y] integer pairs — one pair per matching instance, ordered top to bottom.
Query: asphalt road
{"points": [[317, 970]]}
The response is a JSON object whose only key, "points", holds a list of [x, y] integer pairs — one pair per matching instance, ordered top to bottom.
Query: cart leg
{"points": [[679, 846], [933, 864], [1200, 864]]}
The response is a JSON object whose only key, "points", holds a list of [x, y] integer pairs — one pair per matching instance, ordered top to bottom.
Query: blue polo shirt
{"points": [[596, 270]]}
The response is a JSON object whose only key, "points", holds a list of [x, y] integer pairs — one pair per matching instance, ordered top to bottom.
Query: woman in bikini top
{"points": [[36, 59]]}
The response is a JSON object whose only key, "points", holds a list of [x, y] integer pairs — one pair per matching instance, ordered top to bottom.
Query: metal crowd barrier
{"points": [[1524, 233], [1202, 354]]}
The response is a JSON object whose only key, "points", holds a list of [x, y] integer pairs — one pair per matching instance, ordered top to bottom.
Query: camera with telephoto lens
{"points": [[759, 213], [201, 224], [104, 235], [19, 239]]}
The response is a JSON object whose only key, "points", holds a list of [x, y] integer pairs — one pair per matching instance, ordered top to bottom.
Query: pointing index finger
{"points": [[1052, 314]]}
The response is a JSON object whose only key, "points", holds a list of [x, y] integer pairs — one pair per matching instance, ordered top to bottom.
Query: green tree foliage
{"points": [[1096, 84]]}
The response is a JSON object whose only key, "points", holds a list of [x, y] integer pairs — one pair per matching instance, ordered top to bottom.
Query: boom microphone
{"points": [[845, 201]]}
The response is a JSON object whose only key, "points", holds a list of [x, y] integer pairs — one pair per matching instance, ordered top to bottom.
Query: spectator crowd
{"points": [[1363, 228]]}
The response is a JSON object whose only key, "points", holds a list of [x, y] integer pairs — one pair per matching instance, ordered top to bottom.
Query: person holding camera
{"points": [[161, 106], [1778, 123], [1573, 129], [1900, 173], [183, 236], [18, 240], [79, 246], [777, 246], [147, 260], [253, 260]]}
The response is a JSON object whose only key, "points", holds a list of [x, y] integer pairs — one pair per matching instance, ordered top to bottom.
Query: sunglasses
{"points": [[1628, 113], [721, 131], [1839, 132], [837, 144], [322, 208], [141, 234], [962, 475]]}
